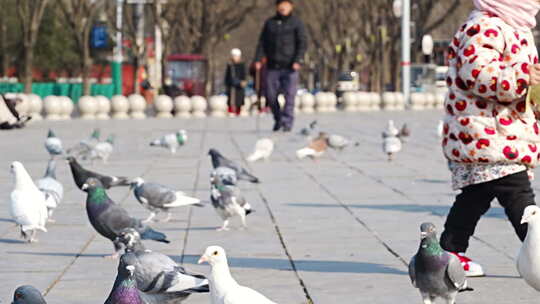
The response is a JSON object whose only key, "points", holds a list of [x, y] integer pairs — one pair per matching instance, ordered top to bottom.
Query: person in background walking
{"points": [[283, 42], [236, 82]]}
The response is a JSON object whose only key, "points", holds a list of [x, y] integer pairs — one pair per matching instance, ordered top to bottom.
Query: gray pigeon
{"points": [[309, 129], [171, 141], [338, 142], [53, 145], [86, 145], [101, 151], [219, 160], [226, 175], [51, 187], [156, 198], [228, 202], [109, 218], [155, 272], [435, 272], [126, 290], [27, 294]]}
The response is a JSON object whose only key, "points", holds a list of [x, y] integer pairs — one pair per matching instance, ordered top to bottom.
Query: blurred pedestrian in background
{"points": [[283, 41], [236, 82], [491, 136]]}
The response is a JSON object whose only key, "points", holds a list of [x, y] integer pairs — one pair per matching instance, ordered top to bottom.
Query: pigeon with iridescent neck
{"points": [[171, 141], [53, 145], [80, 175], [228, 200], [110, 219], [435, 272], [125, 290]]}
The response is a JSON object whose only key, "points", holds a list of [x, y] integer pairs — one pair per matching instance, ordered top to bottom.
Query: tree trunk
{"points": [[3, 43], [28, 64], [86, 65], [136, 65]]}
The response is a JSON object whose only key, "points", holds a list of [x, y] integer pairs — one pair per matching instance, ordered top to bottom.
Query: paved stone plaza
{"points": [[338, 230]]}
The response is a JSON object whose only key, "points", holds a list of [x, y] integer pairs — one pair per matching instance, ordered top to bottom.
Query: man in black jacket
{"points": [[283, 42]]}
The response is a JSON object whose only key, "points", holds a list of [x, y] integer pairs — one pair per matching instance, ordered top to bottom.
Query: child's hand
{"points": [[535, 74]]}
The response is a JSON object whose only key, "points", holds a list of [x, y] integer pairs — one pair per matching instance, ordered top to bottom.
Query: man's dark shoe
{"points": [[277, 127], [287, 129]]}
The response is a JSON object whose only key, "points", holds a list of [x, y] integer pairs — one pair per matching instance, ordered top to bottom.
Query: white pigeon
{"points": [[440, 128], [391, 130], [171, 141], [391, 142], [53, 144], [102, 150], [263, 150], [52, 188], [27, 205], [528, 260], [223, 287]]}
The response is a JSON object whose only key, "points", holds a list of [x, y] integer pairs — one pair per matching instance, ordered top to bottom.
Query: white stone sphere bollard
{"points": [[440, 98], [350, 99], [363, 101], [376, 101], [389, 101], [400, 101], [418, 101], [430, 101], [307, 102], [320, 102], [331, 102], [137, 105], [66, 106], [164, 106], [182, 106], [199, 106], [218, 106], [23, 107], [36, 107], [53, 107], [88, 107], [104, 107], [120, 107]]}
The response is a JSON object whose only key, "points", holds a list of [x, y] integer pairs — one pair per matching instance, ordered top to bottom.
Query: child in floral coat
{"points": [[491, 136]]}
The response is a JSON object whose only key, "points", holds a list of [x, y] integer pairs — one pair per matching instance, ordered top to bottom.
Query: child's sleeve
{"points": [[485, 70]]}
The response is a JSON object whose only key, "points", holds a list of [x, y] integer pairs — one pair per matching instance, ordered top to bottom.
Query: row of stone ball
{"points": [[135, 106]]}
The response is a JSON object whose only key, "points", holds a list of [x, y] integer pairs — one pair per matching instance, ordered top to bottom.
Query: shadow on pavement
{"points": [[58, 254], [305, 265]]}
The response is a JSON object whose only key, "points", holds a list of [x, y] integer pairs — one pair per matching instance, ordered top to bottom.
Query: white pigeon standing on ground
{"points": [[440, 129], [171, 141], [338, 142], [391, 142], [53, 145], [102, 150], [263, 150], [52, 188], [156, 198], [27, 205], [528, 260], [223, 287]]}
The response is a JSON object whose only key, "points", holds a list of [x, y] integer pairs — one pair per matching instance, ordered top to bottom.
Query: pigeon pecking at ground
{"points": [[309, 129], [404, 133], [171, 141], [338, 142], [391, 142], [53, 145], [85, 146], [316, 148], [263, 150], [219, 160], [80, 175], [51, 187], [156, 198], [228, 201], [27, 206], [109, 218], [529, 255], [435, 272], [157, 273], [223, 287], [27, 294]]}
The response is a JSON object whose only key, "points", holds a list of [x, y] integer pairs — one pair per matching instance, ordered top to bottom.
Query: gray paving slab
{"points": [[338, 230]]}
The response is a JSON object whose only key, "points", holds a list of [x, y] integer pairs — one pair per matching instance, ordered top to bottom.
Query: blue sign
{"points": [[99, 37]]}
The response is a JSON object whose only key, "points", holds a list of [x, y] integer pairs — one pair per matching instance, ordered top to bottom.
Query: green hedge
{"points": [[72, 90]]}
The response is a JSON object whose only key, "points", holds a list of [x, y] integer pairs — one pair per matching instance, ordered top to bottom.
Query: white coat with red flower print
{"points": [[487, 120]]}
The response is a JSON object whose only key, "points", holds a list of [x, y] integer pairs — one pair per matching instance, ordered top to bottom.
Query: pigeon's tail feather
{"points": [[155, 143], [305, 152], [255, 156], [249, 177], [121, 181], [183, 200], [248, 209], [151, 234], [200, 289], [465, 289]]}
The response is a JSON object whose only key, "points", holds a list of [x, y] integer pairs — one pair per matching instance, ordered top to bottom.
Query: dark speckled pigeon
{"points": [[219, 160], [437, 273]]}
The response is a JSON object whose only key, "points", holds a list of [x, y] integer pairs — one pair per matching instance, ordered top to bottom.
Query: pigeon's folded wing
{"points": [[156, 195], [412, 271], [454, 272], [245, 295]]}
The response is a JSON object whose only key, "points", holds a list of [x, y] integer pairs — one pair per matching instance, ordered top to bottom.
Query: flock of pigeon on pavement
{"points": [[149, 277]]}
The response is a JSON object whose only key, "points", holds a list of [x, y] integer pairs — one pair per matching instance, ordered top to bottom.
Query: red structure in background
{"points": [[188, 72]]}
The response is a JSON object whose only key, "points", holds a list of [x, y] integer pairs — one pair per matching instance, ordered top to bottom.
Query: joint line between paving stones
{"points": [[195, 186], [397, 191], [276, 228]]}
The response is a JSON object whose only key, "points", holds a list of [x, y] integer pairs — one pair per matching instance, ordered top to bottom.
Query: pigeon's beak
{"points": [[84, 187], [524, 219], [423, 234], [203, 259]]}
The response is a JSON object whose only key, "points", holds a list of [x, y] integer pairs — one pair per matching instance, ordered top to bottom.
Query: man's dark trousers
{"points": [[282, 81]]}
